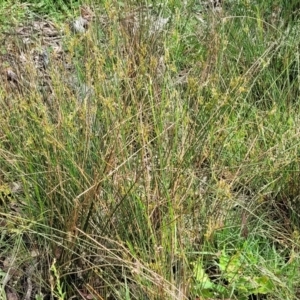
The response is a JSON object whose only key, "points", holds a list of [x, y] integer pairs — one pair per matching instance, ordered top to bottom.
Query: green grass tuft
{"points": [[154, 155]]}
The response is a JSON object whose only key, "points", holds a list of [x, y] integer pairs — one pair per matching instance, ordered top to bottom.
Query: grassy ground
{"points": [[153, 156]]}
